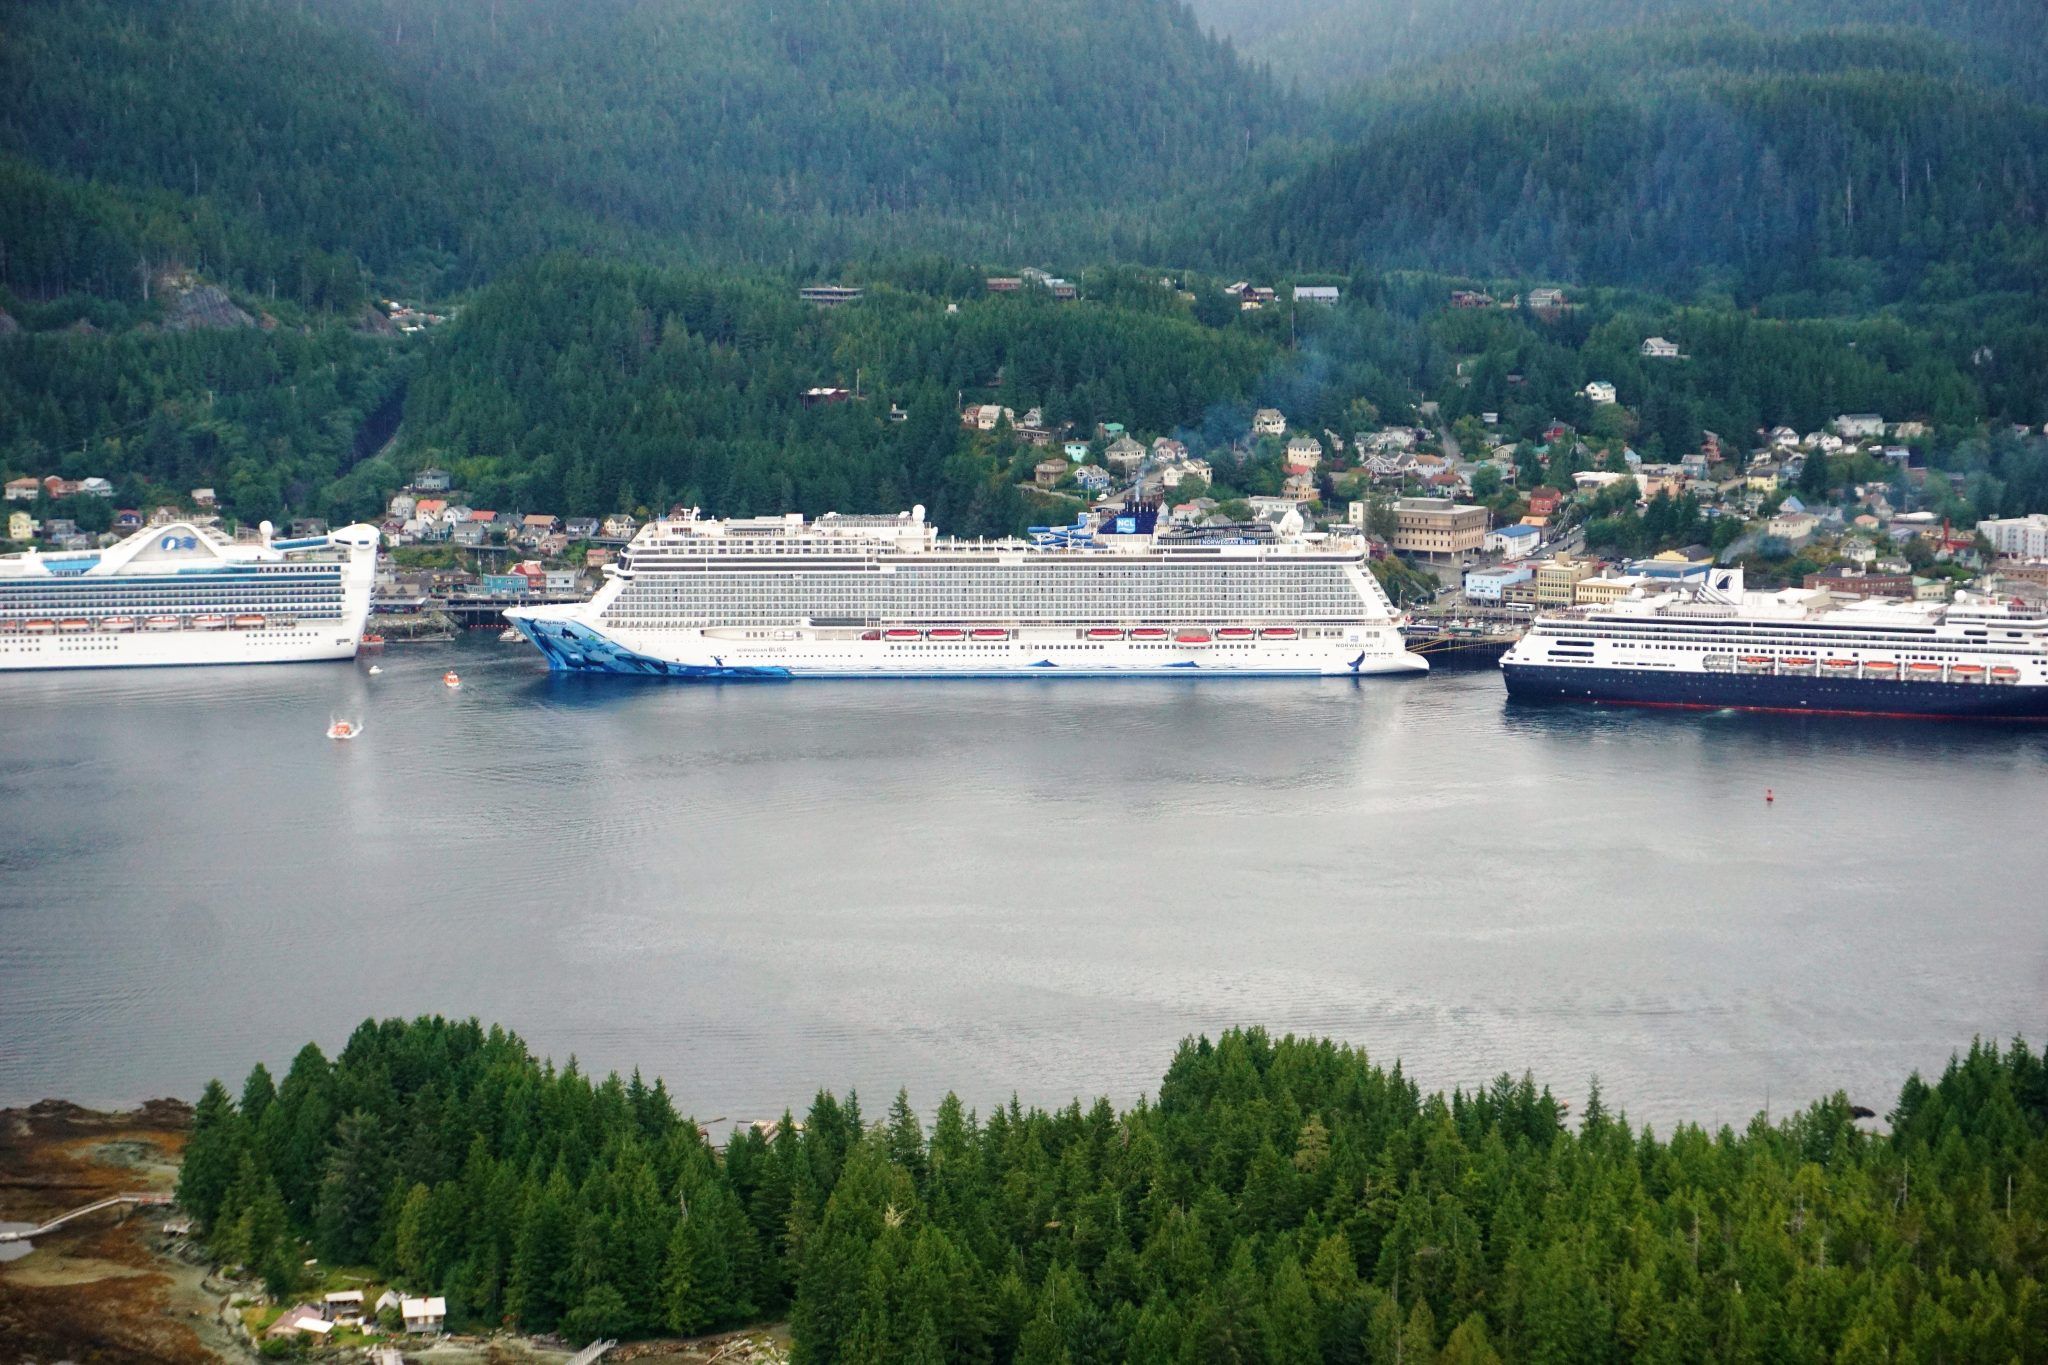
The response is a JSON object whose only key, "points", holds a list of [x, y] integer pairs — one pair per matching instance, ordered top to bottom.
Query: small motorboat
{"points": [[509, 635], [372, 643], [375, 669], [451, 679], [343, 729]]}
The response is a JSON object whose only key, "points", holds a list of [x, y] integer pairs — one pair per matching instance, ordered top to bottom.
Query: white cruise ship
{"points": [[183, 594], [887, 597], [1716, 646]]}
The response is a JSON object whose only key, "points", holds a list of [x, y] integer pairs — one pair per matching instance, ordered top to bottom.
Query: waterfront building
{"points": [[1438, 526], [2017, 537], [1557, 580], [1489, 587]]}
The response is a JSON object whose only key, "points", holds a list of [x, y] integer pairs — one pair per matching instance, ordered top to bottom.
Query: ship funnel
{"points": [[917, 513], [265, 529]]}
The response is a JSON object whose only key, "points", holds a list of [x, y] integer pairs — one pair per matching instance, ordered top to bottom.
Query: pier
{"points": [[140, 1200]]}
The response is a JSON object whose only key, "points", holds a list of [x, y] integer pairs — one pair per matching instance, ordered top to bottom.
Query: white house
{"points": [[1325, 294], [1657, 348], [1599, 391], [1269, 422], [1858, 425], [1784, 438], [1304, 453], [95, 487], [1795, 528], [1513, 542], [424, 1315]]}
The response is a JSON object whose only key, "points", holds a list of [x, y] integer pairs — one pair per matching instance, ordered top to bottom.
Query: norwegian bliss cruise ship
{"points": [[183, 594], [888, 597], [1717, 646]]}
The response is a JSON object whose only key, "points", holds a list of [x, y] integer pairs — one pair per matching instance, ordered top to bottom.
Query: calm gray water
{"points": [[756, 891]]}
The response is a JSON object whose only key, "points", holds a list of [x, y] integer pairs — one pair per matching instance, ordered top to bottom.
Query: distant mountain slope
{"points": [[1331, 44], [464, 134], [1757, 161]]}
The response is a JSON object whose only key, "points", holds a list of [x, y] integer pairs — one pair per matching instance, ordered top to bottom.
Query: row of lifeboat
{"points": [[125, 625], [1099, 634], [1882, 670]]}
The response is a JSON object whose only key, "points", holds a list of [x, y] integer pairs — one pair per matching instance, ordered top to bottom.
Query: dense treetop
{"points": [[1280, 1200]]}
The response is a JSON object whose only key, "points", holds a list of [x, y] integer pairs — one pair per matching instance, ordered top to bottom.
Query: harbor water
{"points": [[997, 887]]}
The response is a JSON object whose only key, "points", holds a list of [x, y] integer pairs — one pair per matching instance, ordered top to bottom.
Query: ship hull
{"points": [[307, 642], [570, 645], [1796, 695]]}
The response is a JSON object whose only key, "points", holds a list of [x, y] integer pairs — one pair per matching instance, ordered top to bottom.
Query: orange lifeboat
{"points": [[248, 621], [209, 622], [74, 625], [119, 625], [39, 627], [1279, 632], [946, 633], [990, 633], [1107, 633], [1149, 633], [1236, 633], [901, 635], [1191, 637], [451, 679]]}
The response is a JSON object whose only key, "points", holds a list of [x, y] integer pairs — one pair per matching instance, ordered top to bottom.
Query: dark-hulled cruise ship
{"points": [[1717, 646]]}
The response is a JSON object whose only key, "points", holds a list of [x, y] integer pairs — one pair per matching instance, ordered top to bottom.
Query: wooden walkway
{"points": [[139, 1200], [590, 1353]]}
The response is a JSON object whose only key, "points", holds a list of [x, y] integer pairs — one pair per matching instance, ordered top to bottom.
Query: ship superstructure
{"points": [[186, 594], [887, 596], [1716, 645]]}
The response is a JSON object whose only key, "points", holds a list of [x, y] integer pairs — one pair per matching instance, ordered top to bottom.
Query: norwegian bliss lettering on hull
{"points": [[183, 594], [887, 597], [1716, 646]]}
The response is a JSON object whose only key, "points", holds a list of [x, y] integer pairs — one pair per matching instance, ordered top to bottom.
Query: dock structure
{"points": [[140, 1200], [591, 1353]]}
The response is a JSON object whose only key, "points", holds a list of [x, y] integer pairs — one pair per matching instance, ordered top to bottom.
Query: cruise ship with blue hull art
{"points": [[184, 594], [1117, 596], [1716, 646]]}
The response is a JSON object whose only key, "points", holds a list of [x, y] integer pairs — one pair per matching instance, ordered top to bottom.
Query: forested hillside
{"points": [[1331, 44], [437, 141], [1874, 161], [590, 387], [1280, 1201]]}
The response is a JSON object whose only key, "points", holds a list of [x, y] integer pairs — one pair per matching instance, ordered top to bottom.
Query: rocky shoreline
{"points": [[126, 1286]]}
